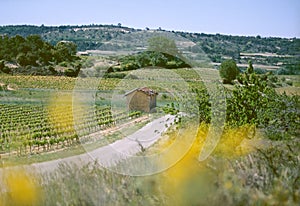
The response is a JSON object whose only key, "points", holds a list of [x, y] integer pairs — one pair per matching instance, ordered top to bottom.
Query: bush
{"points": [[151, 59], [63, 64], [2, 65], [130, 66], [3, 68], [52, 70], [229, 71], [260, 71], [71, 72], [115, 75], [290, 83], [280, 117]]}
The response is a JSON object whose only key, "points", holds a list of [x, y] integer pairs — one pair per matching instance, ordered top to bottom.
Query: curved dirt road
{"points": [[112, 154]]}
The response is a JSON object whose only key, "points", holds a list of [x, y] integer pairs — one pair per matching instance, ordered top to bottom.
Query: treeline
{"points": [[86, 37], [215, 45], [230, 45], [218, 47], [162, 52], [33, 55], [149, 59]]}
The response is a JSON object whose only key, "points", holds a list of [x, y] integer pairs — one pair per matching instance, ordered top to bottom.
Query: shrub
{"points": [[2, 65], [3, 68], [229, 71], [260, 71], [71, 72]]}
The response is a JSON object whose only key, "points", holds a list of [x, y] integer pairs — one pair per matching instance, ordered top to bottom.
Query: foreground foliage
{"points": [[254, 101], [240, 172]]}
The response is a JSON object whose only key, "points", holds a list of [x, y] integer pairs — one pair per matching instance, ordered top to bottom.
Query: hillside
{"points": [[271, 51]]}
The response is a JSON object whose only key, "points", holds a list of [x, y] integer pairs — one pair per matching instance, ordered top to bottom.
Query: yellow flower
{"points": [[61, 111], [188, 174], [21, 188]]}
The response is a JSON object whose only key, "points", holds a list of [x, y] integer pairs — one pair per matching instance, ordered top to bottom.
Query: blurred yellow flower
{"points": [[60, 111], [190, 179], [20, 187]]}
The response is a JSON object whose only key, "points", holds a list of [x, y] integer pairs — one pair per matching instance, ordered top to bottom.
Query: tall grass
{"points": [[244, 169]]}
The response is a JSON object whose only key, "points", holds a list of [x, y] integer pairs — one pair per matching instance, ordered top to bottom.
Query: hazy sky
{"points": [[236, 17]]}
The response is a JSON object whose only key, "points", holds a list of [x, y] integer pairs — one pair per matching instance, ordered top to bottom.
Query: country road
{"points": [[112, 154]]}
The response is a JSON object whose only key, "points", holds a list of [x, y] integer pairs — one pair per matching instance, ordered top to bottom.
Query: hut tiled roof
{"points": [[145, 90]]}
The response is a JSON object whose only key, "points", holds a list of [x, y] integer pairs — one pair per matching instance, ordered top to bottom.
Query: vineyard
{"points": [[67, 83], [39, 115], [35, 128]]}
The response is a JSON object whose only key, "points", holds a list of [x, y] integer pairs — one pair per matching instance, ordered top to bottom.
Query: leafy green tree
{"points": [[35, 41], [65, 51], [45, 54], [35, 56], [150, 58], [22, 59], [27, 59], [250, 68], [229, 71], [247, 98], [256, 102], [280, 117]]}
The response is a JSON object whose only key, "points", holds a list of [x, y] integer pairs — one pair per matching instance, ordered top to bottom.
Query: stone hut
{"points": [[141, 99]]}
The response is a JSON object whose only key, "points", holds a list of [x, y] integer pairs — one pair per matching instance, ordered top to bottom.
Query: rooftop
{"points": [[145, 90]]}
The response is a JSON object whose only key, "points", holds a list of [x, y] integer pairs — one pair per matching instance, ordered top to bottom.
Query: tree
{"points": [[35, 41], [65, 51], [250, 69], [229, 71], [246, 99], [254, 101]]}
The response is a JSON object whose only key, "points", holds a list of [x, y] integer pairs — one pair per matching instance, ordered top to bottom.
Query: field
{"points": [[43, 114], [255, 160]]}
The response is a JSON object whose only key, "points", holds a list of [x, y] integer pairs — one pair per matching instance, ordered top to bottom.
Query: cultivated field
{"points": [[254, 161]]}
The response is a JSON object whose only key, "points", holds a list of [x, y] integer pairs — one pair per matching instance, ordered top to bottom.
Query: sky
{"points": [[276, 18]]}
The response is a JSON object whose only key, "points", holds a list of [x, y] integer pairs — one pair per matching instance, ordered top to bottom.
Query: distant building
{"points": [[141, 99]]}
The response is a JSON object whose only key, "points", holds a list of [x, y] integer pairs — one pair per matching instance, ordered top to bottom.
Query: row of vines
{"points": [[33, 128]]}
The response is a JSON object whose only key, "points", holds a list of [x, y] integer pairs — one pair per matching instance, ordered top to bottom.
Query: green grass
{"points": [[296, 84], [14, 160]]}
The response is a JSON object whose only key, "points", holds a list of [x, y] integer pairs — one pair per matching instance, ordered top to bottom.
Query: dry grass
{"points": [[289, 90]]}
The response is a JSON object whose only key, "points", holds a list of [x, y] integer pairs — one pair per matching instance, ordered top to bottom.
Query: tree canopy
{"points": [[33, 51], [229, 70]]}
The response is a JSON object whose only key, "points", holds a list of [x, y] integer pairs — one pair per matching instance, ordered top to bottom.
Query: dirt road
{"points": [[112, 154]]}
